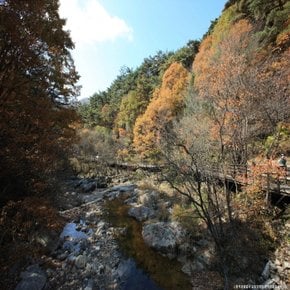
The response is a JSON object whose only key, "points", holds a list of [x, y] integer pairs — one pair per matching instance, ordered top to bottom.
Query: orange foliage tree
{"points": [[219, 70], [245, 87], [167, 102]]}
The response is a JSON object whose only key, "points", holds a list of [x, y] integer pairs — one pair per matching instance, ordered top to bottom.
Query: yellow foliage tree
{"points": [[167, 102]]}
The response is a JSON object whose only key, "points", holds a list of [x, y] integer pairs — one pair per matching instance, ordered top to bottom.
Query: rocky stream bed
{"points": [[116, 238]]}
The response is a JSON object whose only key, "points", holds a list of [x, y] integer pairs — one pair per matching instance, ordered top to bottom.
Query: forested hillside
{"points": [[237, 76]]}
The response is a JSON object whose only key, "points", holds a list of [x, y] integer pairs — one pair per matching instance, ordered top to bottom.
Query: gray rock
{"points": [[102, 181], [86, 185], [89, 187], [126, 188], [126, 191], [149, 199], [131, 200], [141, 213], [101, 226], [163, 236], [43, 238], [202, 243], [185, 248], [63, 255], [205, 257], [71, 260], [81, 261], [191, 267], [101, 269], [266, 271], [49, 272], [33, 278], [269, 282]]}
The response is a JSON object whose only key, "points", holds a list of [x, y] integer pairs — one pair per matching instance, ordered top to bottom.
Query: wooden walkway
{"points": [[134, 167], [240, 175], [272, 182]]}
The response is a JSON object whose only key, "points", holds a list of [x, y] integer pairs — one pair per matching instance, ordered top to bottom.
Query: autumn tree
{"points": [[35, 50], [150, 73], [219, 77], [267, 80], [37, 83], [235, 85], [245, 86], [166, 104], [209, 133], [189, 159]]}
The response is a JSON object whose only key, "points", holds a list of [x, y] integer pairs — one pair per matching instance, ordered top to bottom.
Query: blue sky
{"points": [[109, 34]]}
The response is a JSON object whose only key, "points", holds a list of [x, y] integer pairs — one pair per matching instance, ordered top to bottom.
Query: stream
{"points": [[165, 272]]}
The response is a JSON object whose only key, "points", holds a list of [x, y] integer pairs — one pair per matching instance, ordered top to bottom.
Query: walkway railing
{"points": [[273, 178]]}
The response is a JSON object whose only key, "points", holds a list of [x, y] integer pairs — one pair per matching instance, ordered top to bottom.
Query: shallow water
{"points": [[71, 231], [150, 270], [135, 278]]}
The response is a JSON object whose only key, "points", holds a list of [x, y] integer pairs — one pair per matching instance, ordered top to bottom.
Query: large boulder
{"points": [[165, 237]]}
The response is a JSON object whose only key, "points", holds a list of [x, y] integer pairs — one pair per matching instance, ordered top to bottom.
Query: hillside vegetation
{"points": [[237, 75]]}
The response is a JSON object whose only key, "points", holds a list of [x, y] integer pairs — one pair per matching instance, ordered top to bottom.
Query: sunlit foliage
{"points": [[167, 102]]}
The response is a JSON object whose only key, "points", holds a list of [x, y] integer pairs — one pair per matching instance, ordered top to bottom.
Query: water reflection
{"points": [[71, 231], [164, 272], [134, 278]]}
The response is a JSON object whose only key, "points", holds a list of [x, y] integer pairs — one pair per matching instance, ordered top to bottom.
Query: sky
{"points": [[111, 34]]}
